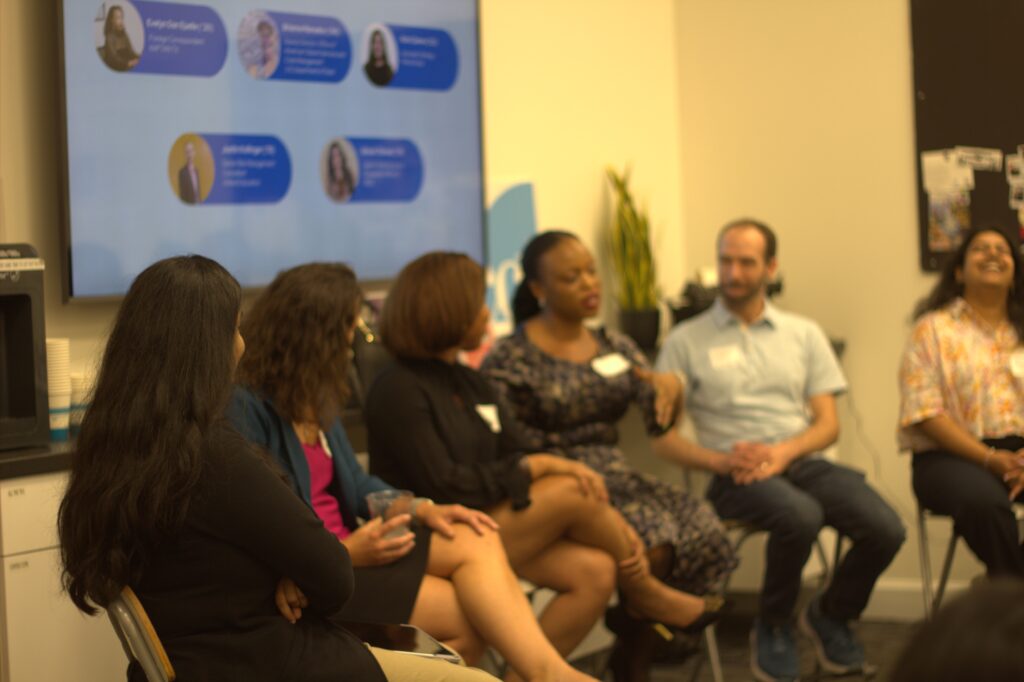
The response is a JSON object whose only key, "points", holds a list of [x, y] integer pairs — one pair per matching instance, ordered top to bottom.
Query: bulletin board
{"points": [[969, 116]]}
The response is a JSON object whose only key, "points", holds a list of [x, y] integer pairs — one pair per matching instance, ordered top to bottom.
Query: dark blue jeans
{"points": [[978, 502], [793, 507]]}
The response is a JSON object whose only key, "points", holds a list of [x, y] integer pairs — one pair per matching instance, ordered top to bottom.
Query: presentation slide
{"points": [[266, 136]]}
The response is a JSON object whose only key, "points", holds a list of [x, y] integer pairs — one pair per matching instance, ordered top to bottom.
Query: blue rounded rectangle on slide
{"points": [[184, 40], [427, 59], [248, 169], [389, 170]]}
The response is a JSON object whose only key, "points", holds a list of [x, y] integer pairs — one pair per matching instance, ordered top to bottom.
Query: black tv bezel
{"points": [[64, 211]]}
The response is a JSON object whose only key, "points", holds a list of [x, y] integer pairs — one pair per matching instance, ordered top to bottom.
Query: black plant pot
{"points": [[642, 326]]}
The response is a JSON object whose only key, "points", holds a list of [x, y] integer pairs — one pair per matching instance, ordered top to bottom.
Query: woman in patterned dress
{"points": [[568, 385], [962, 397]]}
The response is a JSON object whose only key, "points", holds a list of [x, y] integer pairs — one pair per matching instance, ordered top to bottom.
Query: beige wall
{"points": [[573, 86], [800, 112]]}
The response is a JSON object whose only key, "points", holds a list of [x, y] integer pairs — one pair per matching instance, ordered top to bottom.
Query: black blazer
{"points": [[188, 193], [426, 434]]}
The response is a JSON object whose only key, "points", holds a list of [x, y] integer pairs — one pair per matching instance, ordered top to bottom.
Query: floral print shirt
{"points": [[957, 364]]}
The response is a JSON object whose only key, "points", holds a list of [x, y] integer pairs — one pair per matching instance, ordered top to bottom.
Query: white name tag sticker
{"points": [[722, 357], [1017, 363], [611, 365], [489, 413]]}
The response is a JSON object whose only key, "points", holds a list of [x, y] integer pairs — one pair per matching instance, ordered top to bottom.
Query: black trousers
{"points": [[977, 500]]}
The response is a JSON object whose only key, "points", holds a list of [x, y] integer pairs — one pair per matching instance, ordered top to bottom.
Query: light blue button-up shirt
{"points": [[750, 382]]}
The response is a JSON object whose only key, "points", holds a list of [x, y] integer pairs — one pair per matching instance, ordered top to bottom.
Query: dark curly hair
{"points": [[948, 288], [296, 341], [163, 385], [976, 636]]}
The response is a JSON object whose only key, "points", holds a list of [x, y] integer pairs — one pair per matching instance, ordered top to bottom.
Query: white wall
{"points": [[573, 86], [800, 112]]}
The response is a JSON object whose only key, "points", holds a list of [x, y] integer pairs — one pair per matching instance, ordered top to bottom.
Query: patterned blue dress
{"points": [[567, 408]]}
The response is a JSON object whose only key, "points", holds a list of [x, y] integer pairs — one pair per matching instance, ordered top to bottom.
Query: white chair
{"points": [[138, 637]]}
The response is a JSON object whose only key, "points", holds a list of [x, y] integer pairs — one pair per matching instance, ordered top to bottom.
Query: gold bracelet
{"points": [[988, 456]]}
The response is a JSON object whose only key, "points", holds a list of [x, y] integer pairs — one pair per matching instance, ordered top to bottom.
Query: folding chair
{"points": [[933, 597], [138, 637]]}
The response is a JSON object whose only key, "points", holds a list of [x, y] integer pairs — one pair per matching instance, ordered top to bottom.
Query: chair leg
{"points": [[744, 534], [926, 563], [947, 565], [828, 569], [714, 660]]}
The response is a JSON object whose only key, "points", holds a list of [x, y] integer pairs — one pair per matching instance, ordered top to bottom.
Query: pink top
{"points": [[321, 473]]}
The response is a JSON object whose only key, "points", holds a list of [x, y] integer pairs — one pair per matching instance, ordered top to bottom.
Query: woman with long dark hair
{"points": [[117, 51], [378, 67], [340, 183], [962, 397], [458, 444], [449, 574], [238, 577]]}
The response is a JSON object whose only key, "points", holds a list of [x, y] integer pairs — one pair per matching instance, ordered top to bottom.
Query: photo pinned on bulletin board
{"points": [[1015, 177], [948, 180]]}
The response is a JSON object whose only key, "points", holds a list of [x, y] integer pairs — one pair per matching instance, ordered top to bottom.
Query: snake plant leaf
{"points": [[630, 244]]}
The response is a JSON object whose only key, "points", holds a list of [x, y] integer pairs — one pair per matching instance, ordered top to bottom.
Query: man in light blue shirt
{"points": [[760, 386]]}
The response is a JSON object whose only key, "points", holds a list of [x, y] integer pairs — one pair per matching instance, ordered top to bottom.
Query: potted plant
{"points": [[633, 259]]}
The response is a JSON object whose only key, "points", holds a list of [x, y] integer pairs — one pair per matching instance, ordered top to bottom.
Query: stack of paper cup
{"points": [[58, 374], [81, 396]]}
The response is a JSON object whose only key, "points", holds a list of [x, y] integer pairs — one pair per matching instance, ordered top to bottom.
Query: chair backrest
{"points": [[138, 637]]}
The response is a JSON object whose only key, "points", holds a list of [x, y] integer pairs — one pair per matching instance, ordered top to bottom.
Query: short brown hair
{"points": [[770, 241], [432, 305], [296, 341]]}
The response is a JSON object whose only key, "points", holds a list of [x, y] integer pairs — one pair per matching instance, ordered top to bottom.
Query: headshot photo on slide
{"points": [[119, 35], [259, 44], [380, 54], [190, 168], [339, 170]]}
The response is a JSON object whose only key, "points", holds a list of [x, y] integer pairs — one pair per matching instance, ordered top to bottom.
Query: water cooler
{"points": [[24, 410]]}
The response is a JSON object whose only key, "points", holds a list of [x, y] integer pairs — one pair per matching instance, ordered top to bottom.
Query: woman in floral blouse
{"points": [[962, 397]]}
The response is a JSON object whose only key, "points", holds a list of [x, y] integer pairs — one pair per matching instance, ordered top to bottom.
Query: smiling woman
{"points": [[962, 397]]}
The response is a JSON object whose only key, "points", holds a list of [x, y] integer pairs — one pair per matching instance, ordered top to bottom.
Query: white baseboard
{"points": [[900, 600]]}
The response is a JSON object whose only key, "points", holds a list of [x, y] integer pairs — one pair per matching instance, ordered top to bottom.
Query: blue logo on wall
{"points": [[511, 223]]}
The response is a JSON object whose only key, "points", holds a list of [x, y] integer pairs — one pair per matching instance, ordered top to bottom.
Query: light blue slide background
{"points": [[121, 127]]}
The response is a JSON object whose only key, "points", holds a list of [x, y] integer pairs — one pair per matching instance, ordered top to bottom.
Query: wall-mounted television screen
{"points": [[268, 135]]}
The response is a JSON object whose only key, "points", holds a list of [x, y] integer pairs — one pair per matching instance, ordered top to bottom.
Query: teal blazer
{"points": [[256, 418]]}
